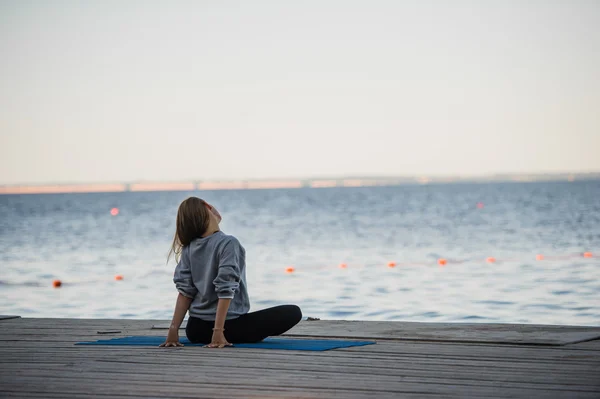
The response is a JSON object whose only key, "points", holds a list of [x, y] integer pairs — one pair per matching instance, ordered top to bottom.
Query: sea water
{"points": [[74, 238]]}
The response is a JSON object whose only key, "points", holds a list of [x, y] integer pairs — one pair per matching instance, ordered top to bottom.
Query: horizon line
{"points": [[290, 183]]}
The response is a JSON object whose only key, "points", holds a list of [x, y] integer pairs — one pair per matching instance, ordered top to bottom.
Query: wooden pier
{"points": [[38, 359]]}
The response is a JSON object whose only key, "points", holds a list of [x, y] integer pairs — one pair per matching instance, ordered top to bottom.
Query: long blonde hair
{"points": [[192, 222]]}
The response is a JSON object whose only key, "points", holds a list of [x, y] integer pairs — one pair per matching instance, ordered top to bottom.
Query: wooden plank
{"points": [[8, 317], [37, 329], [456, 332], [516, 334], [16, 335], [588, 346], [382, 350], [211, 357], [38, 359], [583, 359], [374, 370], [579, 374], [297, 378], [269, 383], [202, 392]]}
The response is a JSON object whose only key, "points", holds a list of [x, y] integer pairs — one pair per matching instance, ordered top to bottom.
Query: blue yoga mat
{"points": [[269, 343]]}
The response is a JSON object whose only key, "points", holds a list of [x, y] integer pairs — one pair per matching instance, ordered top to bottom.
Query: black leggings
{"points": [[251, 327]]}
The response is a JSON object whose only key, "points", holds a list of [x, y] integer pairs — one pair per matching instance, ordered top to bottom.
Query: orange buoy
{"points": [[480, 205], [114, 211], [587, 254], [539, 257], [490, 259], [442, 262], [391, 264], [343, 266], [289, 269], [119, 277], [56, 283]]}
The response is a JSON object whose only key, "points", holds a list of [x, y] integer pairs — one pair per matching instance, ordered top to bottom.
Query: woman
{"points": [[211, 279]]}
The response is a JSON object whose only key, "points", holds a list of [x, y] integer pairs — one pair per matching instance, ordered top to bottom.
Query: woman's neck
{"points": [[212, 229]]}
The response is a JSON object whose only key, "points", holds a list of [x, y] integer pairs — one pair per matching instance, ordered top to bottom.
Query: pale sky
{"points": [[101, 91]]}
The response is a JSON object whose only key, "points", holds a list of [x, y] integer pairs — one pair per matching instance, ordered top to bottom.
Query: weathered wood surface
{"points": [[529, 334], [38, 359]]}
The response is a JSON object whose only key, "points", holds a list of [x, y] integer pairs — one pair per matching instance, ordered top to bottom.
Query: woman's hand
{"points": [[181, 307], [172, 339], [218, 340]]}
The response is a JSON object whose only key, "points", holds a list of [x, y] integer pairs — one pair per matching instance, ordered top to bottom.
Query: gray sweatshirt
{"points": [[210, 268]]}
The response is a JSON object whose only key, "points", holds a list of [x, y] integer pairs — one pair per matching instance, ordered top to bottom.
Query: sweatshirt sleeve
{"points": [[183, 276], [227, 281]]}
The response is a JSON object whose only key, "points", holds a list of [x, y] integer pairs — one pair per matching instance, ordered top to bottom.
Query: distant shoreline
{"points": [[286, 183]]}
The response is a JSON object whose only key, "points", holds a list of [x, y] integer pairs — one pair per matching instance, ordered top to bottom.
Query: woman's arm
{"points": [[226, 284], [181, 307], [218, 338]]}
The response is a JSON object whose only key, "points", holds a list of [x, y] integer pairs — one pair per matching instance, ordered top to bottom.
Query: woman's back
{"points": [[213, 268]]}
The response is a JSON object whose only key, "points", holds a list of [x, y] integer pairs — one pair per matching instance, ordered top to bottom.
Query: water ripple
{"points": [[73, 238]]}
